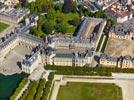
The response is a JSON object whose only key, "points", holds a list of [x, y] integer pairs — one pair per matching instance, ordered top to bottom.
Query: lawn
{"points": [[66, 18], [3, 26], [89, 91]]}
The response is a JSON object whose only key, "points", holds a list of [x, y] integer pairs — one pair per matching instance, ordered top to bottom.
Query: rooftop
{"points": [[118, 10], [15, 13], [89, 27], [124, 28]]}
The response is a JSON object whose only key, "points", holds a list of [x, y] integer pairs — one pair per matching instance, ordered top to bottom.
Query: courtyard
{"points": [[116, 47], [12, 59], [89, 91]]}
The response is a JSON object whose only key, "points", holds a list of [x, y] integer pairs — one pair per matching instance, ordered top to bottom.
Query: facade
{"points": [[13, 16], [123, 31], [87, 37], [11, 40], [61, 50], [66, 50], [68, 58], [107, 60], [31, 62], [120, 62]]}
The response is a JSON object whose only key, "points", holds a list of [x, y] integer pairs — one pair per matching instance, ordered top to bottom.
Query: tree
{"points": [[58, 7], [74, 7], [89, 13], [100, 14], [75, 21], [48, 27], [61, 28], [37, 32]]}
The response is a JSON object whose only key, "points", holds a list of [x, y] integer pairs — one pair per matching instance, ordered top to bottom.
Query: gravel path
{"points": [[125, 81]]}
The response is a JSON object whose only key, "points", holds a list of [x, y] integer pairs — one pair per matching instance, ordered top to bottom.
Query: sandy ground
{"points": [[120, 47], [9, 65]]}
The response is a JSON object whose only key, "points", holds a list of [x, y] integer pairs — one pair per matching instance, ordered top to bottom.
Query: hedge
{"points": [[99, 71], [48, 86], [20, 87], [40, 89], [30, 92]]}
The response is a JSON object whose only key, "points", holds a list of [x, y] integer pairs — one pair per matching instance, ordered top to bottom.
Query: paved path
{"points": [[37, 73], [125, 81], [22, 91]]}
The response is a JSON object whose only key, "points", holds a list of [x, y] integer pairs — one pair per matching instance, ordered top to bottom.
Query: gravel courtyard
{"points": [[117, 47], [9, 65]]}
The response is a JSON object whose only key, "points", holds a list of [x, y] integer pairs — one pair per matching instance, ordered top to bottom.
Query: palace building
{"points": [[120, 62]]}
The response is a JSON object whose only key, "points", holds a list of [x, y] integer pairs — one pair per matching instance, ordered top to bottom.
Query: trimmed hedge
{"points": [[69, 70], [100, 71], [48, 86], [20, 87], [40, 89], [30, 92]]}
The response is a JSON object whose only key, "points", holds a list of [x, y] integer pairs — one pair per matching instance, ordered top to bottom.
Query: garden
{"points": [[89, 91]]}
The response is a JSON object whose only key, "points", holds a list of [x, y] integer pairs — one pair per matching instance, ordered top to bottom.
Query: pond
{"points": [[8, 84]]}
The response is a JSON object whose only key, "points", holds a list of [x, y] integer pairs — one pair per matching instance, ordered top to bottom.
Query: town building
{"points": [[9, 2], [2, 7], [119, 13], [13, 16], [123, 31], [11, 40], [61, 50], [66, 50], [32, 61], [108, 61], [120, 62]]}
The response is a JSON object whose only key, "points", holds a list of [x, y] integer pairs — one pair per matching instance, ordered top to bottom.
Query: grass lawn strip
{"points": [[89, 91]]}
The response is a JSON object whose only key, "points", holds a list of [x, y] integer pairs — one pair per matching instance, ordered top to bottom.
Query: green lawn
{"points": [[65, 18], [3, 26], [89, 91]]}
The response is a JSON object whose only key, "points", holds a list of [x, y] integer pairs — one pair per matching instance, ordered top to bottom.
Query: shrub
{"points": [[48, 87], [40, 89]]}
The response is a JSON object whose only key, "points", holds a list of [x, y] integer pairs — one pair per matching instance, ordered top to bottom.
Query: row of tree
{"points": [[99, 71], [41, 86], [48, 87], [19, 88], [30, 92]]}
